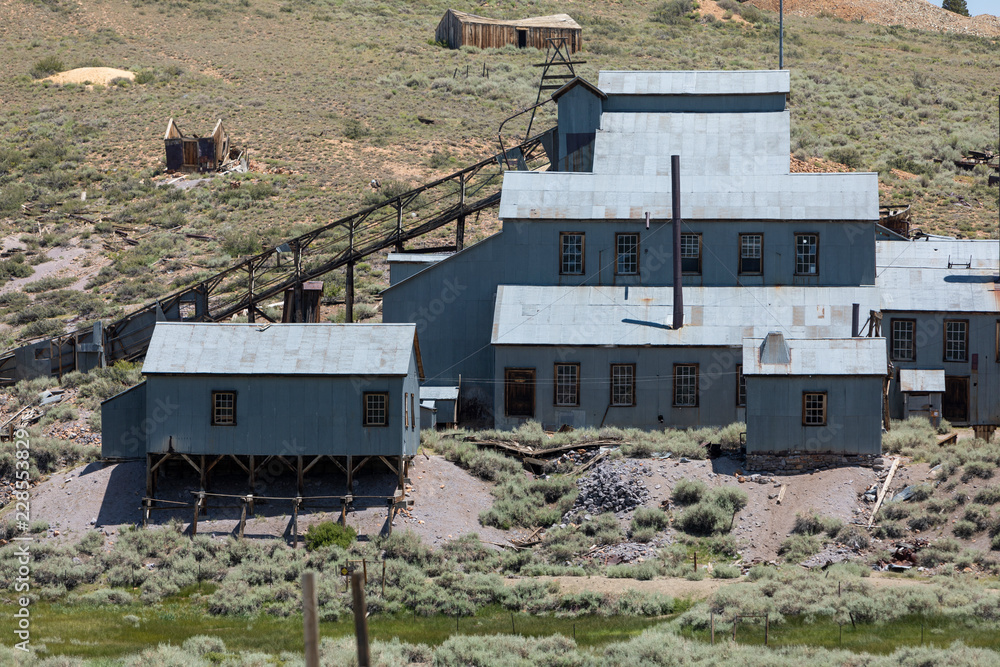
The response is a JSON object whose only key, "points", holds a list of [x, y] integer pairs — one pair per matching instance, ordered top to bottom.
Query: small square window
{"points": [[571, 246], [626, 254], [691, 254], [751, 254], [567, 384], [623, 385], [685, 385], [376, 406], [223, 408], [814, 408]]}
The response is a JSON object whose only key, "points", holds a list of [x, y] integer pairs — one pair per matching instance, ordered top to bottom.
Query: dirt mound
{"points": [[918, 14], [91, 75]]}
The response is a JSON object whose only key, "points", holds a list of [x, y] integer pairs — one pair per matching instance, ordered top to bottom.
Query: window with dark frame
{"points": [[571, 245], [626, 254], [691, 254], [751, 254], [806, 254], [956, 340], [901, 345], [622, 385], [685, 385], [567, 387], [741, 387], [223, 408], [376, 408], [814, 408], [406, 410], [413, 413]]}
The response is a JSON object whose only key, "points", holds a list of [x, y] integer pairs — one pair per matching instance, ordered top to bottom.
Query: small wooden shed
{"points": [[458, 28], [195, 153]]}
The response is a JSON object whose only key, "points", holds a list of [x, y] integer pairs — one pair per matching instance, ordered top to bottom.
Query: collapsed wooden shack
{"points": [[458, 29], [195, 153]]}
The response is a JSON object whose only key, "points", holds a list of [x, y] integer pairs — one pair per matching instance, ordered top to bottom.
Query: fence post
{"points": [[310, 618], [360, 619]]}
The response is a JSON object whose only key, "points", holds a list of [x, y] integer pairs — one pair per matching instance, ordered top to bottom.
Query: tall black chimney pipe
{"points": [[675, 195], [855, 320]]}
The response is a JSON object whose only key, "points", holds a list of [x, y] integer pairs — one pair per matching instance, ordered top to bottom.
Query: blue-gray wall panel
{"points": [[693, 103], [717, 386], [854, 414], [124, 426]]}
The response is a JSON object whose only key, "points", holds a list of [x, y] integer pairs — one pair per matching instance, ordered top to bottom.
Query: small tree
{"points": [[957, 6]]}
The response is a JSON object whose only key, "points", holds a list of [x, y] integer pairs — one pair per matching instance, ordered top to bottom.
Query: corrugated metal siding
{"points": [[717, 385], [854, 415], [289, 416], [124, 426]]}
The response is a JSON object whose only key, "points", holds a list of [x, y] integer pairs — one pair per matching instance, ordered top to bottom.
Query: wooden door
{"points": [[175, 153], [519, 392], [955, 403]]}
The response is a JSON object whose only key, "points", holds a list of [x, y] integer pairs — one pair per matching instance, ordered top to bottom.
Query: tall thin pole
{"points": [[781, 34], [675, 193], [310, 618], [360, 618]]}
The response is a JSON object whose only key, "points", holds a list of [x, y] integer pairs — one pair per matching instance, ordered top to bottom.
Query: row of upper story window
{"points": [[572, 246], [904, 338], [622, 383], [519, 390], [374, 405]]}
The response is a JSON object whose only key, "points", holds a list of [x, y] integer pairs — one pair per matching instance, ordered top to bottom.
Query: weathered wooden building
{"points": [[458, 29], [195, 153], [347, 393]]}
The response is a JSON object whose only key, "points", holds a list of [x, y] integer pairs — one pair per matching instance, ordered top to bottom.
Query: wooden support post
{"points": [[399, 224], [460, 225], [349, 294], [251, 306], [204, 473], [298, 473], [253, 474], [350, 475], [149, 476], [402, 484], [884, 491], [250, 500], [197, 510], [343, 512], [243, 519], [388, 521], [295, 523], [310, 618], [360, 618]]}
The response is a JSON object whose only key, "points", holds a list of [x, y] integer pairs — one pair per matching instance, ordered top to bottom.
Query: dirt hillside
{"points": [[918, 14]]}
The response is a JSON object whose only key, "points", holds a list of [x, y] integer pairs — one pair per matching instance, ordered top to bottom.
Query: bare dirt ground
{"points": [[918, 14], [91, 75], [447, 501]]}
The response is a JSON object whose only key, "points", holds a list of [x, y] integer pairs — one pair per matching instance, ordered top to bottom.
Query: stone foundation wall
{"points": [[795, 461]]}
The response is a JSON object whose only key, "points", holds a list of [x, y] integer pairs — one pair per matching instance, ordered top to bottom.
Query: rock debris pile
{"points": [[612, 487]]}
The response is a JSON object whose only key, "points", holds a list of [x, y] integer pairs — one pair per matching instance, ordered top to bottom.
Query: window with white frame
{"points": [[571, 246], [626, 254], [691, 254], [751, 254], [806, 254], [956, 340], [901, 345], [567, 384], [622, 385], [685, 385], [376, 405], [223, 408], [814, 408]]}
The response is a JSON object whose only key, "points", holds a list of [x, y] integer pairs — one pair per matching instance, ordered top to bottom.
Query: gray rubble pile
{"points": [[611, 487]]}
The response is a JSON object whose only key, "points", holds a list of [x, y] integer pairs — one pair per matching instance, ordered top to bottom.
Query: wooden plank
{"points": [[885, 489], [781, 493]]}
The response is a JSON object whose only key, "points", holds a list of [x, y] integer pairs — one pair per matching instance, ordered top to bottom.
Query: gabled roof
{"points": [[552, 21], [578, 81], [280, 349], [817, 356]]}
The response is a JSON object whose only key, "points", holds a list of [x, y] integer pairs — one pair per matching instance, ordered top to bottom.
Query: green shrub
{"points": [[673, 12], [47, 66], [144, 76], [847, 156], [48, 283], [980, 469], [687, 491], [988, 496], [731, 499], [978, 515], [650, 517], [704, 518], [815, 524], [604, 529], [965, 529], [329, 533], [643, 534], [853, 536], [797, 548], [642, 572], [726, 572]]}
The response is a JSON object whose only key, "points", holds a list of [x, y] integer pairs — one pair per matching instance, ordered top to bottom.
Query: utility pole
{"points": [[781, 34]]}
